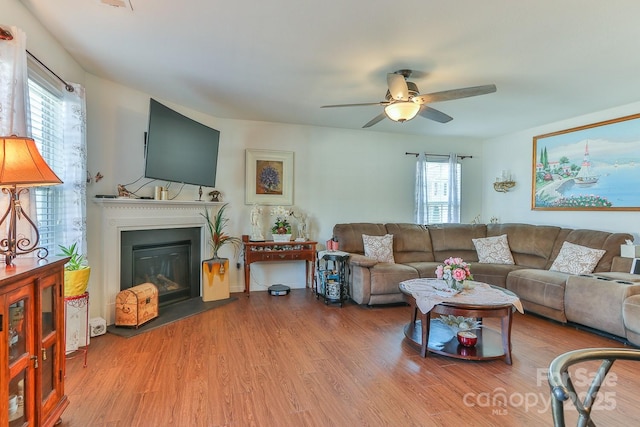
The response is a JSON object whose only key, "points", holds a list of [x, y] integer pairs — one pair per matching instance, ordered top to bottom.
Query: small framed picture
{"points": [[269, 177]]}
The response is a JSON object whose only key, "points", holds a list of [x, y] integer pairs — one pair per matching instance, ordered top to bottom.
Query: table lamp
{"points": [[21, 165]]}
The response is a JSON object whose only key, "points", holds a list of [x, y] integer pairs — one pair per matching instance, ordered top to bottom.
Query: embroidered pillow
{"points": [[379, 247], [493, 250], [576, 259]]}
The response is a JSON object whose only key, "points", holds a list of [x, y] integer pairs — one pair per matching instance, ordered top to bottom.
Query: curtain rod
{"points": [[67, 86], [437, 155]]}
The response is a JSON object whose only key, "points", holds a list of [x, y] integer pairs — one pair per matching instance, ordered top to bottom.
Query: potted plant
{"points": [[216, 225], [281, 230], [76, 271], [215, 278]]}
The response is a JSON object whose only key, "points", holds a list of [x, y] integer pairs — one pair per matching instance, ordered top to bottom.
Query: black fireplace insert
{"points": [[168, 258]]}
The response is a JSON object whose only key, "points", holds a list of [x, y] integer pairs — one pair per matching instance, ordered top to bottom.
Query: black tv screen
{"points": [[180, 149]]}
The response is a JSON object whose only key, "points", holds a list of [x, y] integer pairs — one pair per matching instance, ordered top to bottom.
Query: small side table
{"points": [[333, 277], [77, 325]]}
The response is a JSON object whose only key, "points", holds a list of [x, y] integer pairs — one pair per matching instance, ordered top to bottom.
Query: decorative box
{"points": [[630, 251], [137, 305]]}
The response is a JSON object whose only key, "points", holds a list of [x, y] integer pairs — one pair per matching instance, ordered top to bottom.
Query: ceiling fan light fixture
{"points": [[402, 111]]}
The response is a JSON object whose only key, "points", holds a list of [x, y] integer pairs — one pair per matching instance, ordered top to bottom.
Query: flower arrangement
{"points": [[269, 179], [281, 224], [454, 272]]}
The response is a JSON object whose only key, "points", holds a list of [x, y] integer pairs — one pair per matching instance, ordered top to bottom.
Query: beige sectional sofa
{"points": [[610, 291]]}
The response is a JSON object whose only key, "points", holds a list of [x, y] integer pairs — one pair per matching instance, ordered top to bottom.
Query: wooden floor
{"points": [[292, 361]]}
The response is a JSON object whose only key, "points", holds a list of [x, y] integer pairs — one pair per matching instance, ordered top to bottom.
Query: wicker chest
{"points": [[137, 305]]}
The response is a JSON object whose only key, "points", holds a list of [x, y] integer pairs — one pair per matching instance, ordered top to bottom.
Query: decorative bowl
{"points": [[467, 338]]}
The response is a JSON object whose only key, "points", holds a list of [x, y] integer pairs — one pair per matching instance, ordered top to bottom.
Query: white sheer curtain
{"points": [[14, 100], [14, 119], [74, 175], [437, 192], [454, 193], [421, 210]]}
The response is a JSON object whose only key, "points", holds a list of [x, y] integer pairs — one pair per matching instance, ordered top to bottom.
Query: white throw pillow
{"points": [[379, 247], [493, 250], [576, 259]]}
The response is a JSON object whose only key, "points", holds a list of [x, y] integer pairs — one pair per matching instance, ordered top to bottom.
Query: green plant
{"points": [[216, 225], [77, 261]]}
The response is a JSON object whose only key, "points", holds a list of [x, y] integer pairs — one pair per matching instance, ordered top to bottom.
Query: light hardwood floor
{"points": [[292, 361]]}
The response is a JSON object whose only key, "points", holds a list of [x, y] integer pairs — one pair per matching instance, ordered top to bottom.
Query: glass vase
{"points": [[454, 284]]}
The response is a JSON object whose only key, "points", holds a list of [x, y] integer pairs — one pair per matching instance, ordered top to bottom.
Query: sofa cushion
{"points": [[350, 235], [454, 240], [411, 242], [610, 242], [530, 245], [379, 247], [493, 250], [576, 259], [493, 274], [386, 277], [541, 287], [596, 302], [631, 316]]}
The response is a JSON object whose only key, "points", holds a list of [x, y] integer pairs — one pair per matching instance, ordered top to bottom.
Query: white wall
{"points": [[40, 42], [515, 152], [339, 175]]}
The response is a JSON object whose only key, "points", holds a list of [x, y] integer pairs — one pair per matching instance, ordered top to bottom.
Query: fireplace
{"points": [[123, 215], [168, 258]]}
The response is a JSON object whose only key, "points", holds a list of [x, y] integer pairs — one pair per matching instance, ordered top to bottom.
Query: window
{"points": [[46, 116], [438, 190], [434, 201]]}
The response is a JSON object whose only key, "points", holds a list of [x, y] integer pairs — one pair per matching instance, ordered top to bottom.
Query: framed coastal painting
{"points": [[593, 167], [269, 177]]}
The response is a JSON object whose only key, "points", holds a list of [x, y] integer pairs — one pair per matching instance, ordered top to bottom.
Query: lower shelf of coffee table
{"points": [[443, 342]]}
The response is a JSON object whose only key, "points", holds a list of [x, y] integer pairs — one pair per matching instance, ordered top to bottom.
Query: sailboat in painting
{"points": [[585, 176]]}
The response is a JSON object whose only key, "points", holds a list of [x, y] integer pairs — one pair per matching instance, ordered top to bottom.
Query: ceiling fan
{"points": [[403, 100]]}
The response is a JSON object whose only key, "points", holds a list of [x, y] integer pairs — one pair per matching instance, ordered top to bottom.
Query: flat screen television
{"points": [[180, 149]]}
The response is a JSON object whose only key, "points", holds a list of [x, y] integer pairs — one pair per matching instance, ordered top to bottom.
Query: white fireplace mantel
{"points": [[123, 214]]}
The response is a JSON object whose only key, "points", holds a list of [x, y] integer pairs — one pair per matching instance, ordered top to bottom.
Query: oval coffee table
{"points": [[436, 337]]}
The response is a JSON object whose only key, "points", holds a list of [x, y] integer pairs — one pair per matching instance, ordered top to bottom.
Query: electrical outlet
{"points": [[238, 265]]}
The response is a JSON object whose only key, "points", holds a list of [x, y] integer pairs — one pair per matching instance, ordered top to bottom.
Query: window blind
{"points": [[45, 113], [438, 189]]}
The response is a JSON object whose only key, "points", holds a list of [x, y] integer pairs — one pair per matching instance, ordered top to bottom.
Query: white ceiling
{"points": [[280, 60]]}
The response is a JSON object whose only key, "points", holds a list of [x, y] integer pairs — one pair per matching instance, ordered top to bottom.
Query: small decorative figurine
{"points": [[215, 196], [256, 224]]}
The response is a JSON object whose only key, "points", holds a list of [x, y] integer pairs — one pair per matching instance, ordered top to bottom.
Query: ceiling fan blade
{"points": [[398, 87], [448, 95], [356, 105], [433, 114], [375, 120]]}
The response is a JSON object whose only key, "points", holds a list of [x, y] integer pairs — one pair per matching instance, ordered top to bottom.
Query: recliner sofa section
{"points": [[419, 249]]}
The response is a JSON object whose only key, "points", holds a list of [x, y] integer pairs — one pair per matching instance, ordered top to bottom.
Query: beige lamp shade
{"points": [[402, 111], [22, 165]]}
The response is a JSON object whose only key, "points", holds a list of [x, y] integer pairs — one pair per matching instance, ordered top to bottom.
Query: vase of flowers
{"points": [[281, 230], [454, 272]]}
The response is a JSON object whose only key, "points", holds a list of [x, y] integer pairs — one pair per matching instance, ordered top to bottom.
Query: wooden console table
{"points": [[269, 251]]}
